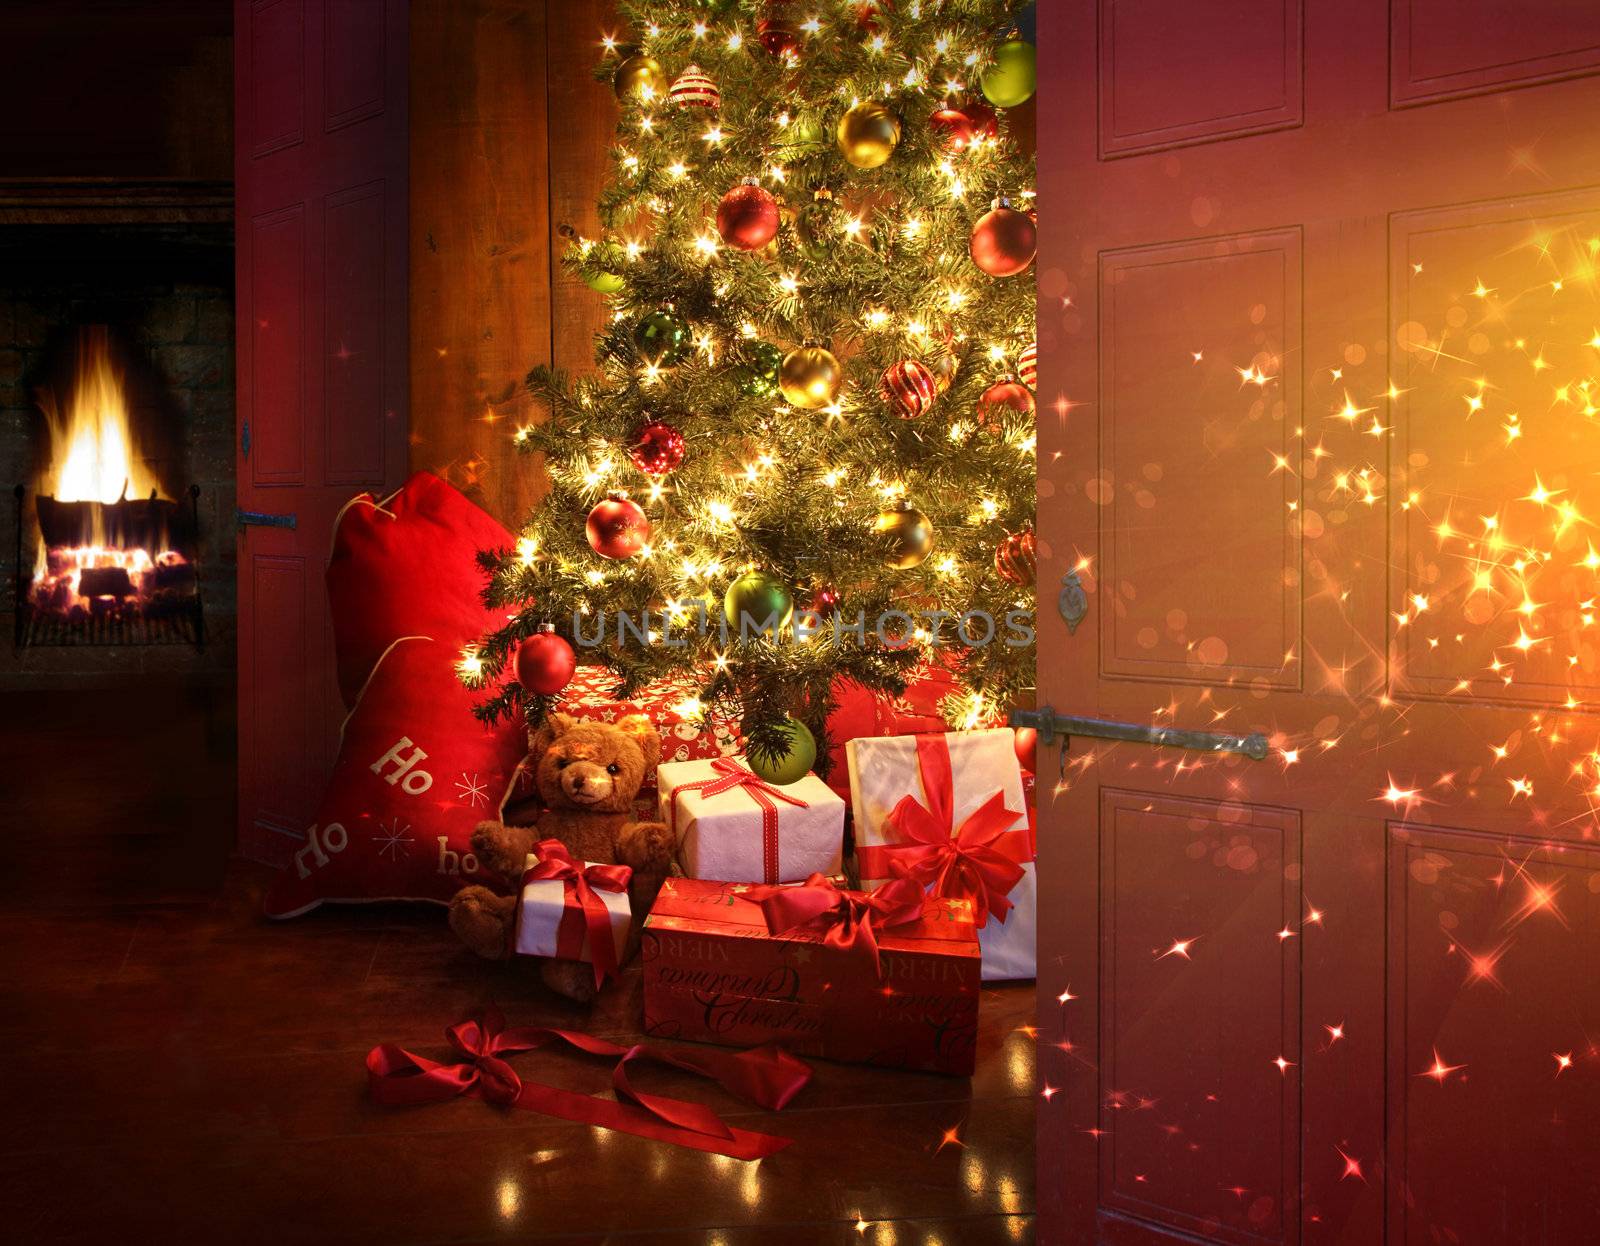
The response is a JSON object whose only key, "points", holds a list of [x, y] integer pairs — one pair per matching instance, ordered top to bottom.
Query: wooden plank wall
{"points": [[509, 135]]}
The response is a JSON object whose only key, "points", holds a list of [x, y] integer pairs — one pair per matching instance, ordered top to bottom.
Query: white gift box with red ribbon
{"points": [[949, 810], [735, 827]]}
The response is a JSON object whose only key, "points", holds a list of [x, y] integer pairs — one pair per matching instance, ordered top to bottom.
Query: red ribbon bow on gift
{"points": [[731, 775], [979, 861], [585, 912], [848, 920], [766, 1076]]}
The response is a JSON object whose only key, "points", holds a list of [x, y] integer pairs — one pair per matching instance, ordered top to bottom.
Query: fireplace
{"points": [[116, 395], [117, 554]]}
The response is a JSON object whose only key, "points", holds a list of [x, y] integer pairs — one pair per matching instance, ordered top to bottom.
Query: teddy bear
{"points": [[587, 775]]}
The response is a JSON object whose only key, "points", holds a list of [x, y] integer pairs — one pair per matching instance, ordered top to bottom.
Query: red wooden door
{"points": [[320, 119], [1319, 386]]}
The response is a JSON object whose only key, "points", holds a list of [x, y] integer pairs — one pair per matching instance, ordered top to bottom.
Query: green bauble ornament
{"points": [[1012, 77], [803, 137], [817, 225], [604, 283], [662, 338], [759, 377], [754, 599], [794, 763]]}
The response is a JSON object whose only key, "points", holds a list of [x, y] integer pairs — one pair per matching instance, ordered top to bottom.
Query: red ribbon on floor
{"points": [[731, 775], [980, 861], [583, 911], [847, 920], [766, 1076]]}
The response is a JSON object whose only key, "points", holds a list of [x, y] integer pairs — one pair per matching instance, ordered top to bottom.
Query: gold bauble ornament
{"points": [[640, 78], [868, 134], [945, 365], [809, 377], [907, 536]]}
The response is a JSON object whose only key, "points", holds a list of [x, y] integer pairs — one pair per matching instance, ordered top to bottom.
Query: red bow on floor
{"points": [[731, 775], [980, 860], [587, 912], [846, 919], [766, 1076]]}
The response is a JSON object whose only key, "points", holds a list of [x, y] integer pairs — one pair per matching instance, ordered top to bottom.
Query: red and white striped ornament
{"points": [[694, 89], [1028, 366], [910, 386], [1016, 558]]}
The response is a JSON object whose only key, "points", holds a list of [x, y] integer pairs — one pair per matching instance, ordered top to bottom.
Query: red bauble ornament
{"points": [[777, 31], [694, 89], [983, 117], [954, 129], [747, 217], [1004, 240], [1028, 366], [909, 385], [1003, 396], [656, 449], [617, 527], [1016, 558], [824, 600], [545, 662], [1026, 745]]}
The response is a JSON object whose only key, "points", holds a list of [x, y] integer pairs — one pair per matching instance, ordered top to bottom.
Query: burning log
{"points": [[152, 523], [105, 582]]}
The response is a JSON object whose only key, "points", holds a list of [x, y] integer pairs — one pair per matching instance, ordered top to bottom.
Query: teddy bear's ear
{"points": [[554, 725], [645, 735]]}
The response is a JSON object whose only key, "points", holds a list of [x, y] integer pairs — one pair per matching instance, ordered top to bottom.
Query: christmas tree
{"points": [[808, 451]]}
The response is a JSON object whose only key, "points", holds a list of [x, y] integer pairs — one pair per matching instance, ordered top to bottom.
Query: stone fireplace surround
{"points": [[153, 260]]}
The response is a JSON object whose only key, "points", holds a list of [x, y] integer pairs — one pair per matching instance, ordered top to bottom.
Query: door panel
{"points": [[1446, 48], [1173, 74], [321, 270], [1319, 435], [1191, 570], [1492, 1032], [1196, 1138]]}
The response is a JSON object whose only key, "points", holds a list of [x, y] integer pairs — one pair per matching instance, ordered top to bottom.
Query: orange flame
{"points": [[93, 455]]}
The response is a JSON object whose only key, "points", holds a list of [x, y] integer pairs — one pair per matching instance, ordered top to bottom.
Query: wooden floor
{"points": [[175, 1068]]}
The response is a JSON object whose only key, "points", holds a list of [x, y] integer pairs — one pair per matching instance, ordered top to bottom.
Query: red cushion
{"points": [[408, 566], [416, 772]]}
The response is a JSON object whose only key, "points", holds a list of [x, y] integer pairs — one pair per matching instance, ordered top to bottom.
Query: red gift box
{"points": [[858, 978]]}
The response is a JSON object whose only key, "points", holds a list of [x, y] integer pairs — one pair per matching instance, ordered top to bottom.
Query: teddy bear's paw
{"points": [[648, 847], [502, 850], [483, 920], [571, 978]]}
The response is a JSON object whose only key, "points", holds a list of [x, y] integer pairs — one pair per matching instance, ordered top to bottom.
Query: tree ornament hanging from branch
{"points": [[777, 31], [640, 78], [1011, 79], [693, 88], [868, 134], [747, 216], [1004, 240], [662, 339], [1028, 366], [810, 377], [910, 387], [1007, 394], [657, 448], [617, 527], [907, 535], [1016, 558], [545, 662]]}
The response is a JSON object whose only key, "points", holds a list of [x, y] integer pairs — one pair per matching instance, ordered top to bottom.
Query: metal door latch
{"points": [[263, 519], [1051, 725]]}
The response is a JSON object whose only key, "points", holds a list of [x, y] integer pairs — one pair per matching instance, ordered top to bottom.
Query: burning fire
{"points": [[93, 457], [94, 460]]}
